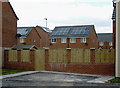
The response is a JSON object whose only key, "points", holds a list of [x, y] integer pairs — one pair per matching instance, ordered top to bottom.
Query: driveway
{"points": [[44, 78]]}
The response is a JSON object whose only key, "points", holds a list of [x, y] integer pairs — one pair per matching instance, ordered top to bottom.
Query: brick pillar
{"points": [[19, 55], [68, 55], [92, 55], [6, 58], [32, 59], [46, 59]]}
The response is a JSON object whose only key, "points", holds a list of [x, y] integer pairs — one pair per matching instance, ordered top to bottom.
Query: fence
{"points": [[85, 61]]}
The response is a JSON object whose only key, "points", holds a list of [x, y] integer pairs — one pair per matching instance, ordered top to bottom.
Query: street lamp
{"points": [[46, 31]]}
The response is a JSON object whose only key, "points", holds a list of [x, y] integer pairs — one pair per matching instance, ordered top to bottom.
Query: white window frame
{"points": [[22, 40], [63, 40], [71, 40], [83, 40], [53, 41], [101, 43], [110, 44]]}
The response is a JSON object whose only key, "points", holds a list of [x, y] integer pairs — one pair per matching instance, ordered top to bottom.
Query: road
{"points": [[57, 79]]}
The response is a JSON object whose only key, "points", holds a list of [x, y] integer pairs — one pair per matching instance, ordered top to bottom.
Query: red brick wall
{"points": [[9, 26], [43, 37], [93, 40], [78, 44], [19, 64], [83, 68]]}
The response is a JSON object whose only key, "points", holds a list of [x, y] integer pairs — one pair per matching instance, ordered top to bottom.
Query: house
{"points": [[114, 23], [9, 25], [8, 28], [32, 36], [82, 36], [105, 40]]}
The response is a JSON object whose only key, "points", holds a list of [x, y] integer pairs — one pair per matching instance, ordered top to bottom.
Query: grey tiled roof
{"points": [[114, 13], [45, 29], [24, 31], [72, 31], [105, 37], [24, 47]]}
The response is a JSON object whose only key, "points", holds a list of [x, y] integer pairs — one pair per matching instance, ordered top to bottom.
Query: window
{"points": [[21, 40], [53, 40], [63, 40], [72, 40], [83, 40], [101, 43], [110, 43]]}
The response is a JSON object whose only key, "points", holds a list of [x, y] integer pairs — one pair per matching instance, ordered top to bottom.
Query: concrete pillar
{"points": [[117, 62]]}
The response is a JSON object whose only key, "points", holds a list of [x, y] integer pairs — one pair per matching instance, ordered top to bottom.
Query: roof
{"points": [[13, 11], [114, 11], [45, 29], [24, 31], [72, 31], [105, 37], [24, 47]]}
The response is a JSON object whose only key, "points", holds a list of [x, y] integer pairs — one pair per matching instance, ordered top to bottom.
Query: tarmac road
{"points": [[55, 79]]}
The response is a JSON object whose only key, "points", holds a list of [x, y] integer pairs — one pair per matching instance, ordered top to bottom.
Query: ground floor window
{"points": [[53, 40], [63, 40], [72, 40], [83, 40], [101, 43]]}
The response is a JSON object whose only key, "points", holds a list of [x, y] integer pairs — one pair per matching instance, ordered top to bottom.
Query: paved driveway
{"points": [[58, 79]]}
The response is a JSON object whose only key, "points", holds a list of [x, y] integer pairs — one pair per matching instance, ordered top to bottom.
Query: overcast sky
{"points": [[65, 13]]}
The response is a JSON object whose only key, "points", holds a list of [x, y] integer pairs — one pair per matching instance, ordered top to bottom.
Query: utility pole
{"points": [[46, 31], [117, 61]]}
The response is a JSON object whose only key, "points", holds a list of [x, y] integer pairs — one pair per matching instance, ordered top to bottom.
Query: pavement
{"points": [[49, 78]]}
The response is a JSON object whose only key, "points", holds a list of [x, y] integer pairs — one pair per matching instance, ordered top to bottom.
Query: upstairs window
{"points": [[21, 40], [54, 40], [63, 40], [72, 40], [83, 40], [101, 43], [110, 43]]}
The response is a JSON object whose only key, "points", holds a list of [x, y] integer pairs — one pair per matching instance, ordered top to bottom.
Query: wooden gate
{"points": [[40, 59]]}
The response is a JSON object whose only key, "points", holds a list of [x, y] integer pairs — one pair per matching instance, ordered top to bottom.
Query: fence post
{"points": [[19, 55], [68, 55], [92, 55], [6, 58], [32, 58], [46, 58]]}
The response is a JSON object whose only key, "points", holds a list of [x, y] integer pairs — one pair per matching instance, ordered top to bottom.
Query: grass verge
{"points": [[11, 71], [115, 80]]}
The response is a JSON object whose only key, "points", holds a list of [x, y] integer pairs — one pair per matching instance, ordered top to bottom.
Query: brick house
{"points": [[114, 23], [9, 25], [8, 28], [32, 36], [83, 36], [105, 40]]}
